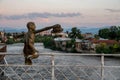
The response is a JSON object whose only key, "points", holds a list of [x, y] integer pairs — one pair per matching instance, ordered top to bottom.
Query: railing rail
{"points": [[102, 66]]}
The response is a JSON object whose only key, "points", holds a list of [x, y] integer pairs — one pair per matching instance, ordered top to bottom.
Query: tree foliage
{"points": [[75, 33], [104, 33], [110, 33], [10, 41], [49, 42], [103, 48]]}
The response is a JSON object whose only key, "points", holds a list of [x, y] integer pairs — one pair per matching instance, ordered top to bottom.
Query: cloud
{"points": [[113, 10], [39, 15], [0, 16], [15, 17]]}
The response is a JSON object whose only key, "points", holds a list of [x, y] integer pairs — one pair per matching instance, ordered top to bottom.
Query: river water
{"points": [[62, 70]]}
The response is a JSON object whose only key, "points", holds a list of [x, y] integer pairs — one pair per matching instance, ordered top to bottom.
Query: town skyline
{"points": [[68, 13]]}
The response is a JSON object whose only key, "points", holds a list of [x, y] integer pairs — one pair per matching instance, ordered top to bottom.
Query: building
{"points": [[43, 33], [61, 35], [88, 35], [3, 38], [61, 43], [94, 43], [65, 44], [78, 45]]}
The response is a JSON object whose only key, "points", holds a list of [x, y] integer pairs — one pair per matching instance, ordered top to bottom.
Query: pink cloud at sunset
{"points": [[68, 13]]}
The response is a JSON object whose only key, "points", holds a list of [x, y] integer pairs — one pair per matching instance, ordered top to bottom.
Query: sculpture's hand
{"points": [[57, 29], [37, 51]]}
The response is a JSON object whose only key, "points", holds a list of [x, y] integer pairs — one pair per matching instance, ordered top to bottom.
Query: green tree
{"points": [[113, 32], [75, 33], [104, 33], [110, 33], [118, 33], [8, 34], [96, 36], [38, 38], [10, 41], [49, 42], [116, 47], [103, 48]]}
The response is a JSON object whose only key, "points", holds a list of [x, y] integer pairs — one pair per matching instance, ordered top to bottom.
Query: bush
{"points": [[38, 39], [10, 41], [49, 43], [69, 44], [102, 48]]}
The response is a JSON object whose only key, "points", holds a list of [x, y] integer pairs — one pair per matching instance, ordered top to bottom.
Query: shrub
{"points": [[10, 41], [49, 43], [103, 48]]}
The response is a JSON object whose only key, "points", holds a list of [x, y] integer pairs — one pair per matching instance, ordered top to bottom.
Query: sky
{"points": [[68, 13]]}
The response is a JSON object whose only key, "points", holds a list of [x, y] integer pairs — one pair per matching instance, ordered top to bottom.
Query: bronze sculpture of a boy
{"points": [[29, 50]]}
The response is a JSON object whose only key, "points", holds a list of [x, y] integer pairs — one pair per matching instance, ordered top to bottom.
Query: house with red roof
{"points": [[95, 42]]}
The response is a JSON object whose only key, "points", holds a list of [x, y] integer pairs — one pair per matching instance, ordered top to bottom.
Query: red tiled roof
{"points": [[104, 41]]}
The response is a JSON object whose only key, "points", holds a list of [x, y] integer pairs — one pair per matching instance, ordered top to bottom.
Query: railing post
{"points": [[102, 66], [53, 67]]}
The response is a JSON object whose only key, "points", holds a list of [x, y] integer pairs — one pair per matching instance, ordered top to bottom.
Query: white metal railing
{"points": [[53, 65]]}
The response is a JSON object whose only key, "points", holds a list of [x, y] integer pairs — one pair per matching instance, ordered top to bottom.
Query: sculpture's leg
{"points": [[33, 56], [28, 61]]}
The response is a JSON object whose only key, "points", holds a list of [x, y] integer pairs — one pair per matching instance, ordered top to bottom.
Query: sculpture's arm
{"points": [[56, 29], [19, 36]]}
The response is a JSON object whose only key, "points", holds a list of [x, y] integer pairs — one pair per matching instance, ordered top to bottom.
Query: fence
{"points": [[32, 72]]}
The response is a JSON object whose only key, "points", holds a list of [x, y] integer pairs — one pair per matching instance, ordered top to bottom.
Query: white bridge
{"points": [[47, 68]]}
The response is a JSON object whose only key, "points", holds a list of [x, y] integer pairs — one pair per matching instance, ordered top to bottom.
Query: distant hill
{"points": [[13, 30], [85, 30], [89, 30], [93, 30]]}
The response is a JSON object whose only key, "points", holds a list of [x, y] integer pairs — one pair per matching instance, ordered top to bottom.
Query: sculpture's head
{"points": [[31, 26]]}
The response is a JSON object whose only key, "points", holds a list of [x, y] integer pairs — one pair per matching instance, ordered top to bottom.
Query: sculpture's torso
{"points": [[29, 44]]}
